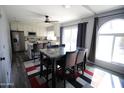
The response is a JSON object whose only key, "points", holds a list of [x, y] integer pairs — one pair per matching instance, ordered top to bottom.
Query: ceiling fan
{"points": [[47, 20]]}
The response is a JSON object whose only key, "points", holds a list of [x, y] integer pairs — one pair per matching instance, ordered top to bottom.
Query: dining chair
{"points": [[40, 45], [45, 45], [62, 45], [53, 46], [56, 46], [35, 52], [80, 59], [47, 63], [68, 64]]}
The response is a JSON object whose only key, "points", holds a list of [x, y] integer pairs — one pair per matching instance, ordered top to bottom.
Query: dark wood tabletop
{"points": [[54, 54]]}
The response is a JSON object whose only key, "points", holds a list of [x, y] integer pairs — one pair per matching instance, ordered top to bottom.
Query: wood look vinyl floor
{"points": [[19, 78]]}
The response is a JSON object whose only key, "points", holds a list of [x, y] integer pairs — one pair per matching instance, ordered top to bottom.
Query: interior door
{"points": [[5, 61], [0, 64], [3, 74]]}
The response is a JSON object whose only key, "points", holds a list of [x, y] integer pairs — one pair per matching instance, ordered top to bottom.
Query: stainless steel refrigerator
{"points": [[18, 41]]}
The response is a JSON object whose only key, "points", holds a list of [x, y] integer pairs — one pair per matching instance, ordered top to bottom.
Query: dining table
{"points": [[53, 54]]}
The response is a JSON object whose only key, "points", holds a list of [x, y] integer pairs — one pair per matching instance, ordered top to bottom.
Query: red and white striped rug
{"points": [[33, 71], [92, 77]]}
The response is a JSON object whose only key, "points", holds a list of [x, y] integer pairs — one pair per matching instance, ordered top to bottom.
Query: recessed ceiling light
{"points": [[67, 6]]}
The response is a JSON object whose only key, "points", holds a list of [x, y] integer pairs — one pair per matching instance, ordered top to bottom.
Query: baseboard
{"points": [[117, 71]]}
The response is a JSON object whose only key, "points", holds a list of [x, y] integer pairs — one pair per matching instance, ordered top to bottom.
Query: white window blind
{"points": [[69, 37]]}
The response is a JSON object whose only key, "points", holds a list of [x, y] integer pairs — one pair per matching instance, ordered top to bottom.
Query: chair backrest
{"points": [[40, 45], [45, 45], [62, 45], [53, 46], [35, 47], [80, 56], [70, 59]]}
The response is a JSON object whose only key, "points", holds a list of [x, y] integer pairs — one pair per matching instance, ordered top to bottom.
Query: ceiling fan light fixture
{"points": [[47, 19]]}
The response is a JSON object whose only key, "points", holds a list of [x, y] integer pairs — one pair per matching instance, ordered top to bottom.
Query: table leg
{"points": [[41, 65], [53, 73]]}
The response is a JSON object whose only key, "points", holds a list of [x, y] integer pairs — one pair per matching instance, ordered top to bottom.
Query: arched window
{"points": [[110, 42]]}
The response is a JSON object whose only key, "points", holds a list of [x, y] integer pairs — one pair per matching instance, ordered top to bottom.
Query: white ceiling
{"points": [[34, 13]]}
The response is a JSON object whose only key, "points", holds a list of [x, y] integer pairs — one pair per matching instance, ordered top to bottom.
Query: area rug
{"points": [[33, 71], [91, 78]]}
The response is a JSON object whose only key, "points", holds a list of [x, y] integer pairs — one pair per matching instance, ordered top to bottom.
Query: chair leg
{"points": [[34, 57], [85, 59], [41, 65], [84, 66], [77, 67], [41, 70], [74, 72], [47, 74], [64, 79], [64, 84]]}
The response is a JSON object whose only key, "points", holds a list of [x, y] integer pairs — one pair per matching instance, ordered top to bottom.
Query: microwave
{"points": [[32, 33]]}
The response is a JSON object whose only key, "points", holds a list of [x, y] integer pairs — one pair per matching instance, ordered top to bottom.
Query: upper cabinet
{"points": [[28, 27]]}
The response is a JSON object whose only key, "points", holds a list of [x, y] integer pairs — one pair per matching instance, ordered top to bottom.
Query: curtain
{"points": [[61, 33], [81, 34], [92, 51]]}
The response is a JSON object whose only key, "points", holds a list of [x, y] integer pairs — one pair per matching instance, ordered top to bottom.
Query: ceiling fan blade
{"points": [[54, 21], [50, 22]]}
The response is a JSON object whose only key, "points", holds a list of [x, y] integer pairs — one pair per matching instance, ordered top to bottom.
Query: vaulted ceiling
{"points": [[35, 13]]}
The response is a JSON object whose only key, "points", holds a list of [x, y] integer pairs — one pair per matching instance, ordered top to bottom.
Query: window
{"points": [[51, 35], [69, 37], [110, 42]]}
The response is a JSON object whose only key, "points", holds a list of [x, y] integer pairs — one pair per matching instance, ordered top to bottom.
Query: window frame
{"points": [[113, 43]]}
